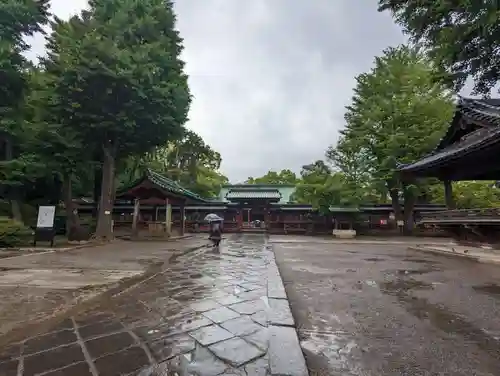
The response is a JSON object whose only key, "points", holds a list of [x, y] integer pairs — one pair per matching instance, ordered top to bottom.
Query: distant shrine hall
{"points": [[265, 208]]}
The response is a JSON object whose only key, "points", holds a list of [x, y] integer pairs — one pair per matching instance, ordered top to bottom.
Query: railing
{"points": [[487, 215]]}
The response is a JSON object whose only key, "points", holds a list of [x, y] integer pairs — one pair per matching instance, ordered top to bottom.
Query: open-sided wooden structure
{"points": [[468, 151], [159, 194]]}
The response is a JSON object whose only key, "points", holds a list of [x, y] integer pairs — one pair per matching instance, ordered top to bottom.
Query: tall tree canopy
{"points": [[19, 18], [463, 36], [121, 81], [397, 115], [188, 160], [273, 177]]}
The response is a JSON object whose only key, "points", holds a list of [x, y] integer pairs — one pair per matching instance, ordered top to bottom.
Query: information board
{"points": [[46, 216]]}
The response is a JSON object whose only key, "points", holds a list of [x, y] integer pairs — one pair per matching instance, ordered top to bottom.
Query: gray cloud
{"points": [[271, 77]]}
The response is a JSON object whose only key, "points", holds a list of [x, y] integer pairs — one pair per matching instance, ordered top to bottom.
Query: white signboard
{"points": [[46, 215], [401, 223]]}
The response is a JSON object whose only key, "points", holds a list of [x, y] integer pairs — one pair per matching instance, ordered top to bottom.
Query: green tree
{"points": [[19, 18], [463, 36], [123, 83], [397, 115], [58, 147], [188, 160], [272, 177], [320, 187], [470, 194]]}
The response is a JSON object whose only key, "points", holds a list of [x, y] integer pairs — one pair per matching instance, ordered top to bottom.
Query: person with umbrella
{"points": [[215, 228]]}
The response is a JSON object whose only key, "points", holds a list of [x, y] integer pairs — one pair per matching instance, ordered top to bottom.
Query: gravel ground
{"points": [[384, 310]]}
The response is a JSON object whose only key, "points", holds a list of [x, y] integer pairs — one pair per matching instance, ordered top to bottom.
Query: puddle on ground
{"points": [[374, 259], [419, 261], [413, 271], [402, 286], [490, 289], [439, 316], [450, 323]]}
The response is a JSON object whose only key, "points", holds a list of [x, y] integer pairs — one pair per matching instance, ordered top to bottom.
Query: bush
{"points": [[4, 207], [14, 233]]}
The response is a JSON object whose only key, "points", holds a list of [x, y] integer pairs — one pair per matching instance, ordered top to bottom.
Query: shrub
{"points": [[14, 233]]}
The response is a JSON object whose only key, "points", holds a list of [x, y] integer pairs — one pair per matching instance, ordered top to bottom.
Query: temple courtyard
{"points": [[279, 305]]}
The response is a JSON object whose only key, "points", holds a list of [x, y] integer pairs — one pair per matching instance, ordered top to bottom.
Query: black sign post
{"points": [[45, 230]]}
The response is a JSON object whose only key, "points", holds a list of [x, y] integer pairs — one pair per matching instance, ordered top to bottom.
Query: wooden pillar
{"points": [[448, 194], [266, 216], [168, 217], [135, 218], [183, 218], [239, 219]]}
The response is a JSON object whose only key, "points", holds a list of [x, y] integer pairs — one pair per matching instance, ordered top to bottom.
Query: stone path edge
{"points": [[441, 252], [76, 306], [293, 362]]}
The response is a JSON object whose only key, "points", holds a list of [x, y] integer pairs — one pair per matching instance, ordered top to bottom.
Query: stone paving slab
{"points": [[42, 286], [206, 313], [286, 356]]}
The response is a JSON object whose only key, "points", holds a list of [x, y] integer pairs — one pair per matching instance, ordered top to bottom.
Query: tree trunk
{"points": [[97, 189], [448, 195], [15, 206], [398, 211], [104, 218], [409, 222], [73, 229]]}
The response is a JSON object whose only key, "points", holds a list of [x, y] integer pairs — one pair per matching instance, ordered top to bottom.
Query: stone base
{"points": [[344, 234]]}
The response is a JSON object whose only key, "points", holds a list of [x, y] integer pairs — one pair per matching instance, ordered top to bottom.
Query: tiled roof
{"points": [[482, 111], [485, 113], [472, 142], [166, 184], [171, 185], [253, 194]]}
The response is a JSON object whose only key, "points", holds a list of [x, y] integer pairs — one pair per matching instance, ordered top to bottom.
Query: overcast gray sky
{"points": [[270, 78]]}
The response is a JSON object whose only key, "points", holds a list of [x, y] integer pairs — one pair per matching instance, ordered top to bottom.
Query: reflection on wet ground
{"points": [[491, 289], [384, 310], [208, 313]]}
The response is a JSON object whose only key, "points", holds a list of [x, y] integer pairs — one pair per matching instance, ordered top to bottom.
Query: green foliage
{"points": [[463, 36], [120, 81], [118, 84], [397, 115], [189, 160], [18, 167], [273, 177], [317, 185], [321, 187], [469, 194], [14, 233]]}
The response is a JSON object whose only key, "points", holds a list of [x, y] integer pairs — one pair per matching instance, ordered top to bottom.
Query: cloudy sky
{"points": [[270, 78]]}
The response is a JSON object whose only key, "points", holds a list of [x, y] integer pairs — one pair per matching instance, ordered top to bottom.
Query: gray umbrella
{"points": [[213, 217]]}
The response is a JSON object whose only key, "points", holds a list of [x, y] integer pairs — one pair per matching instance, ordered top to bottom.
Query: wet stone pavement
{"points": [[372, 310], [206, 313]]}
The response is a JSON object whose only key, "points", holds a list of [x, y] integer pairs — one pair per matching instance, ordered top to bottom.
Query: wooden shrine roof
{"points": [[467, 150], [153, 180], [252, 194]]}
